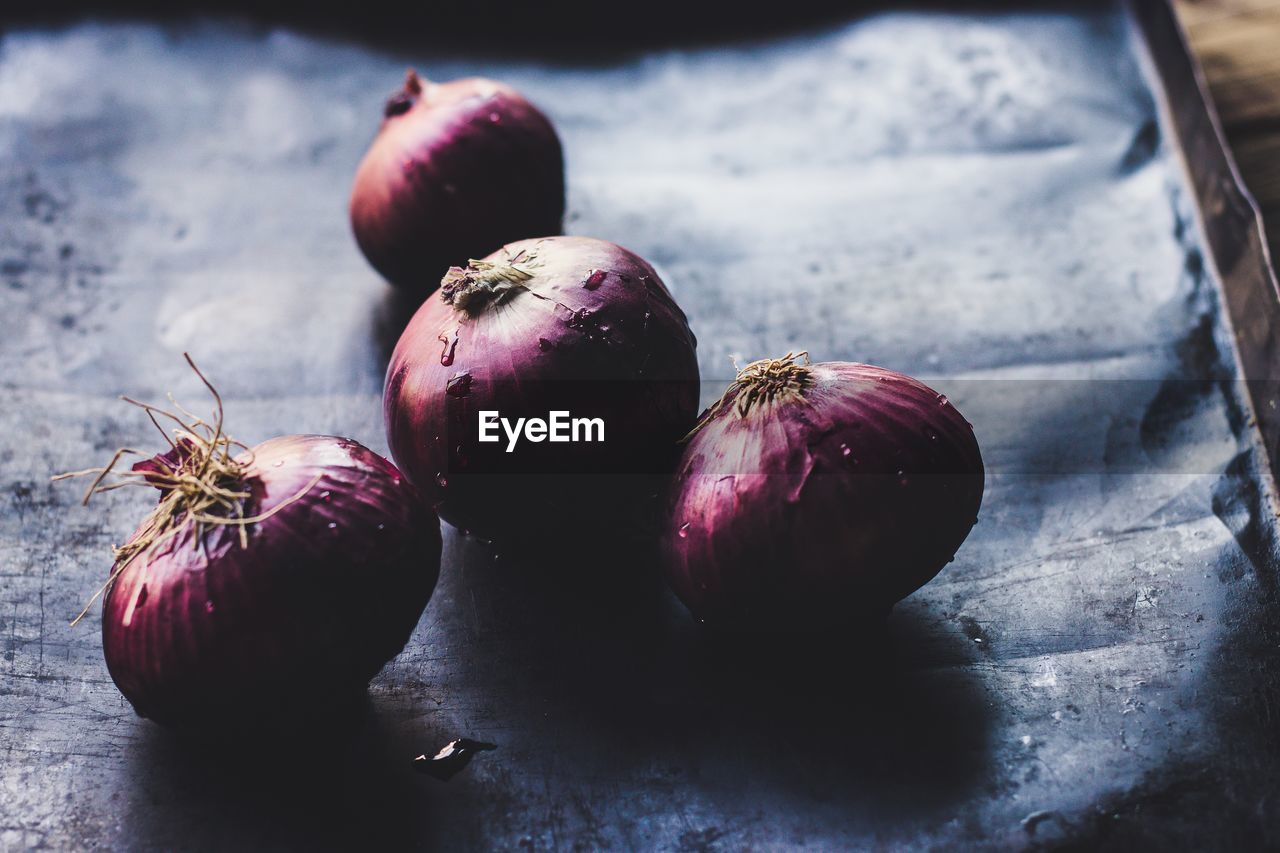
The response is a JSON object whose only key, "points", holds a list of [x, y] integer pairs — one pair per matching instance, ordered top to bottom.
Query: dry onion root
{"points": [[267, 581]]}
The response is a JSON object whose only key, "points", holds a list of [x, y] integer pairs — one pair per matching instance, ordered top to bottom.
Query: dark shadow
{"points": [[575, 31], [859, 712], [880, 716], [323, 788]]}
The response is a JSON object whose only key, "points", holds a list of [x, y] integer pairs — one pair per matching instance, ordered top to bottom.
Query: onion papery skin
{"points": [[469, 165], [594, 332], [815, 514], [208, 636]]}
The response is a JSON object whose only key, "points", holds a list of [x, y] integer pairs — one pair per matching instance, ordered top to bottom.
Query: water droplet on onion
{"points": [[449, 350], [459, 385], [683, 532]]}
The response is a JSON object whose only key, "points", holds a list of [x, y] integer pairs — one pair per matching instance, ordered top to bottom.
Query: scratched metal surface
{"points": [[983, 200]]}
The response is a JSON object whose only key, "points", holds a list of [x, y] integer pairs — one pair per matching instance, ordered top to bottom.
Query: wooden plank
{"points": [[1200, 13], [1238, 44]]}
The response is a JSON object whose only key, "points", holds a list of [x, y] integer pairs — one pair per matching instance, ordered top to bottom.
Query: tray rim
{"points": [[1230, 221]]}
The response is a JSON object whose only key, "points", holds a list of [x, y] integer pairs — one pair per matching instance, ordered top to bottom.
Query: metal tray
{"points": [[1032, 210]]}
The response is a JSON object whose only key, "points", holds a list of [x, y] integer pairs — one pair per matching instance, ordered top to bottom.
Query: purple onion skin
{"points": [[456, 169], [614, 346], [815, 515], [213, 638]]}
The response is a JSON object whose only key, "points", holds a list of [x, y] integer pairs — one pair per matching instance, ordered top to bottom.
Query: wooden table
{"points": [[1238, 42]]}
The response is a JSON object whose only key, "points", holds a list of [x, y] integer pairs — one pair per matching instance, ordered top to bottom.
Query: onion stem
{"points": [[480, 283], [762, 382]]}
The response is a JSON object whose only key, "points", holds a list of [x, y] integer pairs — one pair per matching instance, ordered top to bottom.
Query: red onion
{"points": [[456, 169], [566, 324], [813, 494], [268, 585]]}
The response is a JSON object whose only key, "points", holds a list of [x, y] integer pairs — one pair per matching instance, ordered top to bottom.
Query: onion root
{"points": [[202, 482]]}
